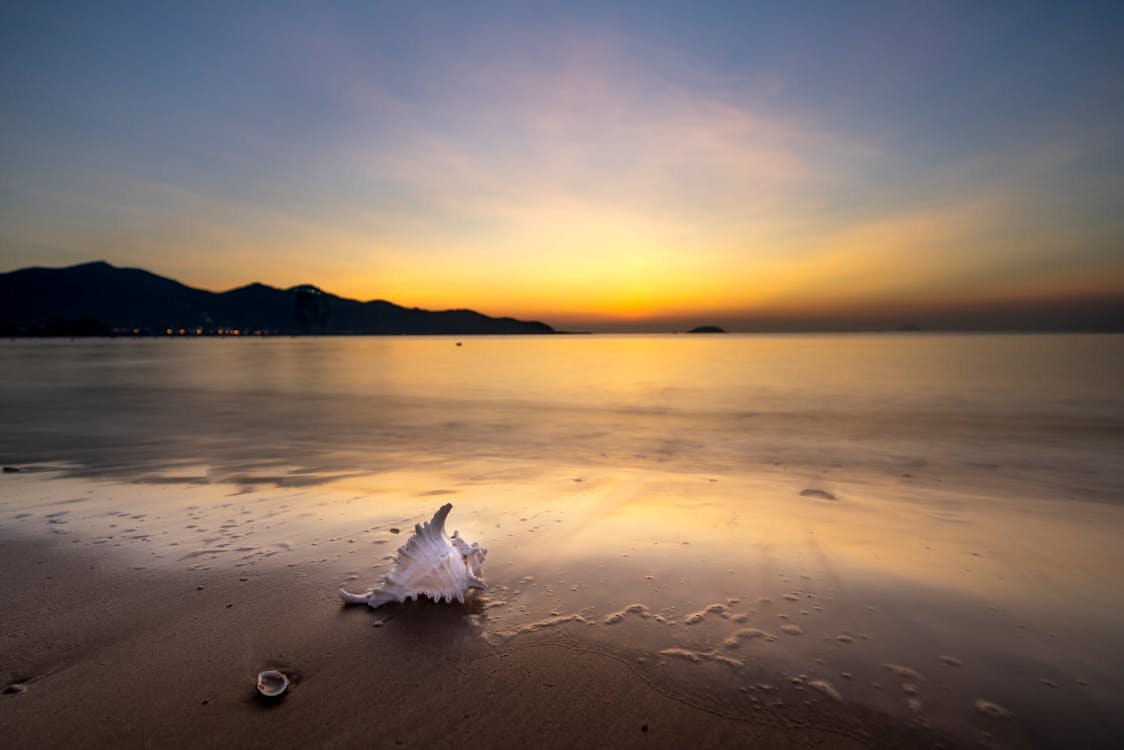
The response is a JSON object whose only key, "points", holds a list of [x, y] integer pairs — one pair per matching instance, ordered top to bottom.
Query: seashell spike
{"points": [[430, 563]]}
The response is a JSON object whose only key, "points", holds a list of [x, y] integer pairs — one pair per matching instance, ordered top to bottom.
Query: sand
{"points": [[752, 541], [623, 609], [128, 639], [101, 659]]}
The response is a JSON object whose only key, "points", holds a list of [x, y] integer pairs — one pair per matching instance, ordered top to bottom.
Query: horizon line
{"points": [[1059, 313]]}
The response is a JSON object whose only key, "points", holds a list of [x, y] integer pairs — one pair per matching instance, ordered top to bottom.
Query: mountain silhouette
{"points": [[98, 298]]}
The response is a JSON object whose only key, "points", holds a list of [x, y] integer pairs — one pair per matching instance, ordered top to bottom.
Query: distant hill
{"points": [[98, 298]]}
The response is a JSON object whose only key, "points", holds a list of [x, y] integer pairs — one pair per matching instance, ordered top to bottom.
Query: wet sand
{"points": [[139, 612], [105, 659]]}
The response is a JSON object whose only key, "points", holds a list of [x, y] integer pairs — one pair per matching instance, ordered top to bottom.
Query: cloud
{"points": [[585, 123], [567, 167]]}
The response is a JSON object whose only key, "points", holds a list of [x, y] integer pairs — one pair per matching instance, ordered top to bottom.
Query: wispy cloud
{"points": [[496, 160]]}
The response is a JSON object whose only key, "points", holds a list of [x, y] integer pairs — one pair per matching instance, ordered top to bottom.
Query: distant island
{"points": [[98, 299], [707, 329]]}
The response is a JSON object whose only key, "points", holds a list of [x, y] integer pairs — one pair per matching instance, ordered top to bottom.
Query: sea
{"points": [[927, 524]]}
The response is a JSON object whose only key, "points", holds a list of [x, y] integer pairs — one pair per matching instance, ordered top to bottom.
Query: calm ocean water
{"points": [[1039, 415]]}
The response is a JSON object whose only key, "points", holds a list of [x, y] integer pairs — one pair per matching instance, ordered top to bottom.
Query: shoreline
{"points": [[129, 603], [103, 658]]}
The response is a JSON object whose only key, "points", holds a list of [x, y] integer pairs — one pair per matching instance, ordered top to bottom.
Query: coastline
{"points": [[138, 613], [104, 655]]}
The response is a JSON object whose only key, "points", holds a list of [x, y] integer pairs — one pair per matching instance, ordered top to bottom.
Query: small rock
{"points": [[11, 470], [395, 531], [200, 588], [15, 689]]}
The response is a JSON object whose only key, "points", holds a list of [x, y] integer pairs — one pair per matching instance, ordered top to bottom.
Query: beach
{"points": [[506, 375], [667, 563], [103, 652], [166, 664]]}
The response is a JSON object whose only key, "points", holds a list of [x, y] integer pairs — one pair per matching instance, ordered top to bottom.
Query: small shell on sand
{"points": [[272, 683]]}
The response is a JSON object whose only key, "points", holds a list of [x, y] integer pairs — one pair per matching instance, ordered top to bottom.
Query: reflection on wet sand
{"points": [[765, 528], [738, 590]]}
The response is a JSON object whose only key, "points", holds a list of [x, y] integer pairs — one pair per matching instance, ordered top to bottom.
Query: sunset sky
{"points": [[610, 166]]}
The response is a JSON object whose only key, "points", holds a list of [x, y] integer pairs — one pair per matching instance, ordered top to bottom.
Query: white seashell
{"points": [[429, 564], [272, 683]]}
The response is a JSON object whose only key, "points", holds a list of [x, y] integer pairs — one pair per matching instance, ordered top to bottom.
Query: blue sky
{"points": [[604, 163]]}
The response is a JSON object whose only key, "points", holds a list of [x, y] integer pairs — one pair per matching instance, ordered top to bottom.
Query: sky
{"points": [[596, 165]]}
